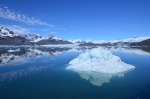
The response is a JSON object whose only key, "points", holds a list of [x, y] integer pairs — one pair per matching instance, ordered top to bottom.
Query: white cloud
{"points": [[6, 13], [60, 28], [53, 32]]}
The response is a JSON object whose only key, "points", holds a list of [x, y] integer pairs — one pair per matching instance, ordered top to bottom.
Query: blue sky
{"points": [[78, 19]]}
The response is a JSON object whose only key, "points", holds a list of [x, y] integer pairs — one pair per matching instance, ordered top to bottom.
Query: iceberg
{"points": [[99, 60], [98, 66]]}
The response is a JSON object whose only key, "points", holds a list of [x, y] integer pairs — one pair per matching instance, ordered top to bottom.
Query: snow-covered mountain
{"points": [[5, 32], [8, 37], [33, 37], [37, 37], [27, 39], [136, 39], [128, 40]]}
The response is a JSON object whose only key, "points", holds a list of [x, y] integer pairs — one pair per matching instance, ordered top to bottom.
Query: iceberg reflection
{"points": [[98, 66], [97, 78]]}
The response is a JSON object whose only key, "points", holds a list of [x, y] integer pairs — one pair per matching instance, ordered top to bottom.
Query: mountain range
{"points": [[9, 37]]}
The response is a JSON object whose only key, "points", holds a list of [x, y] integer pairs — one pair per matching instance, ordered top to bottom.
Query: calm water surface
{"points": [[40, 73]]}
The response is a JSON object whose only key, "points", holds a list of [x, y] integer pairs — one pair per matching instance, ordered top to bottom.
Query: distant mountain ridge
{"points": [[8, 37], [128, 40]]}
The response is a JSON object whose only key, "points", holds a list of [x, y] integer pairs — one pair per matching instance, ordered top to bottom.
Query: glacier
{"points": [[99, 60]]}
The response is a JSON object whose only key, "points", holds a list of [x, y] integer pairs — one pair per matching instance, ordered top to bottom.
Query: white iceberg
{"points": [[99, 60], [98, 66]]}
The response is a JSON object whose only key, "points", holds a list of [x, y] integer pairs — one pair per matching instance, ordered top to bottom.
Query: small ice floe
{"points": [[15, 50]]}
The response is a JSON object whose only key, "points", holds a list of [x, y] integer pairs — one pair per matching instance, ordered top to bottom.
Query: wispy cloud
{"points": [[6, 13], [60, 28], [18, 29], [45, 29], [53, 32]]}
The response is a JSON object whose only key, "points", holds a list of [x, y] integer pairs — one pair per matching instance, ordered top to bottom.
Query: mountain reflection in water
{"points": [[15, 56], [15, 62], [40, 72]]}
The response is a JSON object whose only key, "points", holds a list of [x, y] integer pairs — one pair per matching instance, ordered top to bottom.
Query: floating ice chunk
{"points": [[14, 50], [99, 60], [98, 66]]}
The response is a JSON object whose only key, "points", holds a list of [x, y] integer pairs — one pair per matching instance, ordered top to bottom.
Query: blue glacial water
{"points": [[40, 73]]}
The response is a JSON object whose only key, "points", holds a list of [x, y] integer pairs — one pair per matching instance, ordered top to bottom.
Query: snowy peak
{"points": [[5, 32], [33, 37], [37, 37]]}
